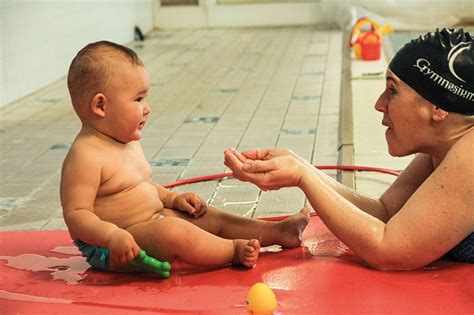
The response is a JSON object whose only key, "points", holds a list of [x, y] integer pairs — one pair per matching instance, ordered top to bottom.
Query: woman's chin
{"points": [[393, 149], [396, 151]]}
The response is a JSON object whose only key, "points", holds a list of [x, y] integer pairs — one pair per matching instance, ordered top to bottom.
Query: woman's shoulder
{"points": [[462, 151], [456, 171], [453, 180]]}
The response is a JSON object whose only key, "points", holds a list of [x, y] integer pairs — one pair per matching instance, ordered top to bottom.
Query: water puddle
{"points": [[325, 245], [271, 249], [67, 250], [70, 269]]}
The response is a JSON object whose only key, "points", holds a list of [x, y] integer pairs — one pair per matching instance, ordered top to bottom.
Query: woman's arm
{"points": [[264, 165], [419, 169], [394, 197], [431, 221], [414, 235]]}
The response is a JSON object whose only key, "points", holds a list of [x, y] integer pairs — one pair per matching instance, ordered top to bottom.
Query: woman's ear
{"points": [[98, 104], [439, 114]]}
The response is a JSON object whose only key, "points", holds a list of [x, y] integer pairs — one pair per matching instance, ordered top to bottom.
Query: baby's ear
{"points": [[98, 104], [439, 114]]}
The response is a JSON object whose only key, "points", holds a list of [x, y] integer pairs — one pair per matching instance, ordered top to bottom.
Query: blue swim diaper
{"points": [[97, 257]]}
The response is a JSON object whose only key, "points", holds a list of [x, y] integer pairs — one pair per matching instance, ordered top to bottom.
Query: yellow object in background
{"points": [[367, 44], [261, 300]]}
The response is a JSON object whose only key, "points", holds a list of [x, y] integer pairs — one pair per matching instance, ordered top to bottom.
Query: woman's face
{"points": [[405, 114]]}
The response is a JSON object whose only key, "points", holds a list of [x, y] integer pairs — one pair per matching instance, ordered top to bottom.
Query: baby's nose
{"points": [[146, 110]]}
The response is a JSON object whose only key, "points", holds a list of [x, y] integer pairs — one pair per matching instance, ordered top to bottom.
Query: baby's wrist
{"points": [[169, 199], [109, 237]]}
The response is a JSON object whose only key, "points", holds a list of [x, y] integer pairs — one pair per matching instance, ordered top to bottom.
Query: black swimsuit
{"points": [[464, 251]]}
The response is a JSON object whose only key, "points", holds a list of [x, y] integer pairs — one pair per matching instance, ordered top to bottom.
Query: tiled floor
{"points": [[211, 89]]}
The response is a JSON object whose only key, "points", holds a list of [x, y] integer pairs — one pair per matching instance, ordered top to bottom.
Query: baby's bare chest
{"points": [[123, 172], [126, 194]]}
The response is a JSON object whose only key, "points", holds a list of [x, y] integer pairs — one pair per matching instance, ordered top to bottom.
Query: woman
{"points": [[428, 109]]}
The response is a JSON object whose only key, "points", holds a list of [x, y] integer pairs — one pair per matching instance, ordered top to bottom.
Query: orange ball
{"points": [[261, 300]]}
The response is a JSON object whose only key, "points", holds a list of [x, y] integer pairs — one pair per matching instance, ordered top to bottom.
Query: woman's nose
{"points": [[381, 103]]}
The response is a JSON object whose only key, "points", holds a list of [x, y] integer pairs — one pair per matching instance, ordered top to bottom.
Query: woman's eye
{"points": [[392, 91], [139, 99]]}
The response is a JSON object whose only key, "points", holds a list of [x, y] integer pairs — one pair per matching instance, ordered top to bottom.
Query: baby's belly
{"points": [[129, 207]]}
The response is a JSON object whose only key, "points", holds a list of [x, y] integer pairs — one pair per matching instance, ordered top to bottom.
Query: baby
{"points": [[112, 207]]}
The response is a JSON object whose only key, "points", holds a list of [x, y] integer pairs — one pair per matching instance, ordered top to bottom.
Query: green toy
{"points": [[149, 264]]}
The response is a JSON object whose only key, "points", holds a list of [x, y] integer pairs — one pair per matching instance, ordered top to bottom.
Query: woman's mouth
{"points": [[389, 129]]}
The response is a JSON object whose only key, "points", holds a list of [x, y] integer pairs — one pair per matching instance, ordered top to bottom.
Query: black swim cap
{"points": [[440, 67]]}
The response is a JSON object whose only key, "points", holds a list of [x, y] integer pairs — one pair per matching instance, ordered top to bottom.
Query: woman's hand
{"points": [[265, 154], [269, 169], [191, 203]]}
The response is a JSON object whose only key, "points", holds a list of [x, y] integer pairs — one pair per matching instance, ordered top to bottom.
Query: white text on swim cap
{"points": [[424, 64]]}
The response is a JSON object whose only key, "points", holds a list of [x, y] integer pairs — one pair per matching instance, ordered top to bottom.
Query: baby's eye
{"points": [[392, 91], [139, 99]]}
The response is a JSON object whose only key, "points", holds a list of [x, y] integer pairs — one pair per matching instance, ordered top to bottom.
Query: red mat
{"points": [[41, 273]]}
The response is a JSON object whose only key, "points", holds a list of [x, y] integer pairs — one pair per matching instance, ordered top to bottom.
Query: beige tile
{"points": [[256, 81]]}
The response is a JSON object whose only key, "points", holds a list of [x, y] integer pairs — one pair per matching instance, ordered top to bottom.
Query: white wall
{"points": [[209, 13], [402, 15], [39, 38]]}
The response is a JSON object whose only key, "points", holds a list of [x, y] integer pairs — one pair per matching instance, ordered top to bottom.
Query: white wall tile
{"points": [[39, 38]]}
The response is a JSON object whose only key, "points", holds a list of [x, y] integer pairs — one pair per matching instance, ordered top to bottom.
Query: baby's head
{"points": [[93, 69]]}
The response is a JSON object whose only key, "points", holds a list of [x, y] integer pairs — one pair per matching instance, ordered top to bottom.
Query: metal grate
{"points": [[262, 1], [179, 2]]}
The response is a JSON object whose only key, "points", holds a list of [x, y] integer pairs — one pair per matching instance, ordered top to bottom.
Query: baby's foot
{"points": [[292, 228], [246, 252]]}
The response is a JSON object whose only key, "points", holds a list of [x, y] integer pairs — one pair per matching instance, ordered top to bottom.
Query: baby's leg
{"points": [[286, 233], [169, 238]]}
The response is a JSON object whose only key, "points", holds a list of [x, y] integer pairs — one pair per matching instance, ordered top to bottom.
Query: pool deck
{"points": [[210, 89]]}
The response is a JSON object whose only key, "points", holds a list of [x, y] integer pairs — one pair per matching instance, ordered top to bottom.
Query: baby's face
{"points": [[127, 109]]}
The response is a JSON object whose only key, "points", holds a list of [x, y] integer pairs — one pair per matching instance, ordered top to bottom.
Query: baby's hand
{"points": [[191, 203], [122, 246]]}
